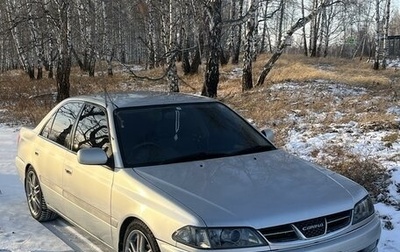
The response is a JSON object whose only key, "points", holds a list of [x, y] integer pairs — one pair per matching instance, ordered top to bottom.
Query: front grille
{"points": [[312, 228], [307, 229], [283, 233]]}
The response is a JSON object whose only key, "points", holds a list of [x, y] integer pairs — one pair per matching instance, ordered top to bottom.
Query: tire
{"points": [[34, 196], [138, 238]]}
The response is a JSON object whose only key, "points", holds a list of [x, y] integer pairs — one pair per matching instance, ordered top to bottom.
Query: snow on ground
{"points": [[393, 63], [303, 141], [19, 232]]}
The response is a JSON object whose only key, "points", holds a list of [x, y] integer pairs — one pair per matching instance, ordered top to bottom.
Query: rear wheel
{"points": [[36, 203], [138, 238]]}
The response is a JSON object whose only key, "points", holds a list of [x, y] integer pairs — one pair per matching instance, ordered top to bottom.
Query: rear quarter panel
{"points": [[25, 149]]}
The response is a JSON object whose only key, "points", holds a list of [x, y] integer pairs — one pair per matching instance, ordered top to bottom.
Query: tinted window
{"points": [[47, 128], [58, 128], [92, 130], [178, 133]]}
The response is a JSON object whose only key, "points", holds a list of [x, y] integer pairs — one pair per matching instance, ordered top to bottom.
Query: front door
{"points": [[87, 188]]}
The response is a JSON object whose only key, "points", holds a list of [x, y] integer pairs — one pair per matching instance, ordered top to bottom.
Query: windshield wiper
{"points": [[254, 149], [194, 157]]}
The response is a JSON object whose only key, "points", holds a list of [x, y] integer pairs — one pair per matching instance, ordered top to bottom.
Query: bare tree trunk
{"points": [[280, 24], [315, 24], [264, 29], [304, 30], [199, 31], [322, 31], [385, 34], [121, 35], [231, 36], [377, 36], [238, 37], [92, 38], [107, 38], [185, 39], [37, 43], [152, 47], [49, 55], [23, 59], [64, 60], [194, 67], [172, 72], [247, 77], [211, 78]]}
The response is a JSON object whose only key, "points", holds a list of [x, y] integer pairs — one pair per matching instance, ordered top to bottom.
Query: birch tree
{"points": [[13, 10], [304, 29], [314, 29], [236, 31], [386, 34], [377, 35], [64, 47], [108, 48], [279, 50], [50, 53], [172, 72], [247, 76], [211, 78]]}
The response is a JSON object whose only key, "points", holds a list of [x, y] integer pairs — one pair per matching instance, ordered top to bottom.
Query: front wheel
{"points": [[36, 203], [138, 238]]}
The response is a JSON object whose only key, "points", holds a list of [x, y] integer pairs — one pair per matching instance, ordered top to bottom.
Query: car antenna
{"points": [[107, 97]]}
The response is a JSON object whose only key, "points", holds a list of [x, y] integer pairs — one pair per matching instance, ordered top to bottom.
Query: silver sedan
{"points": [[153, 171]]}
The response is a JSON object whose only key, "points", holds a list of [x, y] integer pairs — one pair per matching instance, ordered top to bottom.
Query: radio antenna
{"points": [[107, 97]]}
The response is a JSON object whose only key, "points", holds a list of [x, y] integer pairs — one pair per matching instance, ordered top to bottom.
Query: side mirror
{"points": [[269, 134], [92, 156]]}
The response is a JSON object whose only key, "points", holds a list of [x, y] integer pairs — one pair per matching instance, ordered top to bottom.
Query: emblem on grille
{"points": [[307, 228]]}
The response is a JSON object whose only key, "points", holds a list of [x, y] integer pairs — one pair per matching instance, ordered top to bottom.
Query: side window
{"points": [[47, 128], [58, 128], [92, 130]]}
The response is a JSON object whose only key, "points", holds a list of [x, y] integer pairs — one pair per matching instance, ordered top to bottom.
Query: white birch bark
{"points": [[377, 35], [385, 35], [152, 37], [107, 40], [36, 42], [64, 54], [23, 59], [172, 72], [247, 77]]}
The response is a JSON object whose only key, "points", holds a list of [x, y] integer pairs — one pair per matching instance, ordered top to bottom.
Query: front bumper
{"points": [[363, 239]]}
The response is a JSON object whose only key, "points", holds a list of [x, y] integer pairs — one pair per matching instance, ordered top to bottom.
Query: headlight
{"points": [[363, 210], [212, 238]]}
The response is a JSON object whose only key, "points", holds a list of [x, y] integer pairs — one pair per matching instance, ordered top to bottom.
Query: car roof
{"points": [[141, 98]]}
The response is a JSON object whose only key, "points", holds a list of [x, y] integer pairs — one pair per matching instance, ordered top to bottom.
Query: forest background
{"points": [[56, 35]]}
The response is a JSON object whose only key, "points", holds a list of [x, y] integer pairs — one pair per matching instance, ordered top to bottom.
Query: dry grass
{"points": [[28, 101], [264, 107], [364, 171]]}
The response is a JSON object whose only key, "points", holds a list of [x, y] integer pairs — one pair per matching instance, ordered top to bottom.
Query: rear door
{"points": [[87, 188]]}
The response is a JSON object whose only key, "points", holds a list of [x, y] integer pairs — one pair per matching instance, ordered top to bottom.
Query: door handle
{"points": [[68, 171]]}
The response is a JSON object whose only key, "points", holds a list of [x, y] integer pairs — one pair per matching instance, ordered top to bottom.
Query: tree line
{"points": [[52, 36]]}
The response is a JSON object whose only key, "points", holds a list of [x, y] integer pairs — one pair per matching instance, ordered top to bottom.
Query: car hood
{"points": [[259, 190]]}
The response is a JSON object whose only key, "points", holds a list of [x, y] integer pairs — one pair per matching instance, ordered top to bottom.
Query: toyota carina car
{"points": [[153, 171]]}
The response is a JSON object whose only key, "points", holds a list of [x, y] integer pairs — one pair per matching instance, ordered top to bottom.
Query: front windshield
{"points": [[165, 134]]}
